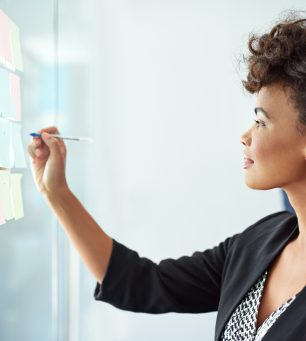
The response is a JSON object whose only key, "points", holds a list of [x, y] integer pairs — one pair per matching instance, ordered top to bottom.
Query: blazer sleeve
{"points": [[189, 284]]}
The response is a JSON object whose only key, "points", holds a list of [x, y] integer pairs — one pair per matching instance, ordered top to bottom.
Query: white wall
{"points": [[167, 110]]}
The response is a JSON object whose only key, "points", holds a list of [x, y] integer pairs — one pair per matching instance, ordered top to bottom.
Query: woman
{"points": [[256, 279]]}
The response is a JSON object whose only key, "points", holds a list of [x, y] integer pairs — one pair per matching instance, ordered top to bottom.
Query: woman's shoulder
{"points": [[273, 221], [278, 226]]}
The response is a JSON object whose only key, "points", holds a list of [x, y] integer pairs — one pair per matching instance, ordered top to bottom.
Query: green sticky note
{"points": [[15, 39]]}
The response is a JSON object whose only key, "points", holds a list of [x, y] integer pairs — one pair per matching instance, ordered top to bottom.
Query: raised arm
{"points": [[48, 161], [190, 284]]}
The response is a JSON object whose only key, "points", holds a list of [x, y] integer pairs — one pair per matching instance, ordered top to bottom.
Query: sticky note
{"points": [[5, 39], [15, 43], [15, 95], [10, 101], [7, 108], [5, 138], [17, 146], [11, 147], [5, 194], [16, 195], [2, 219]]}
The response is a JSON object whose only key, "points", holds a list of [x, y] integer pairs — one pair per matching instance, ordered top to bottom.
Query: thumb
{"points": [[52, 143]]}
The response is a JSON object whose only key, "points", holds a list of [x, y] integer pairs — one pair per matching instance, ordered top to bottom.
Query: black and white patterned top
{"points": [[242, 323]]}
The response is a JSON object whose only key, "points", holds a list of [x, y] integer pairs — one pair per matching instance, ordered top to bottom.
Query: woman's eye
{"points": [[259, 123]]}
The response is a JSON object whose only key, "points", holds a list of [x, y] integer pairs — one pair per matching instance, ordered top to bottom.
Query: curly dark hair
{"points": [[280, 57]]}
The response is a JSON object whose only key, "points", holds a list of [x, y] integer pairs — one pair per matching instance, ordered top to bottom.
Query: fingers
{"points": [[49, 130], [37, 142], [52, 143], [55, 144], [42, 146], [38, 148], [31, 152]]}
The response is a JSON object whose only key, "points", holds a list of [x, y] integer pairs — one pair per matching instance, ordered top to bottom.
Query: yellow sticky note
{"points": [[15, 40], [5, 194], [16, 195]]}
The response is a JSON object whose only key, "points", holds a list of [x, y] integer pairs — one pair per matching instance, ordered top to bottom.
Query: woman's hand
{"points": [[48, 162]]}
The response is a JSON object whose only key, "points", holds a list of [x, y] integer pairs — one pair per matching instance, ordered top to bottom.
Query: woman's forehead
{"points": [[274, 98]]}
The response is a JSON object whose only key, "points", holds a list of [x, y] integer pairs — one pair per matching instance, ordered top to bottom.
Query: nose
{"points": [[246, 138]]}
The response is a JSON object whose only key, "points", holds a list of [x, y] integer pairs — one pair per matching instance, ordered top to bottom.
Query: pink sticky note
{"points": [[5, 38], [15, 94], [2, 219]]}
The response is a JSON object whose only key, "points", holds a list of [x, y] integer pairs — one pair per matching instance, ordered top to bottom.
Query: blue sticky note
{"points": [[7, 108], [5, 139], [18, 151]]}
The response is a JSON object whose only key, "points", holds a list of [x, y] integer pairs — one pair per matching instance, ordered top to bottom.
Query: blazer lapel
{"points": [[244, 267], [290, 325]]}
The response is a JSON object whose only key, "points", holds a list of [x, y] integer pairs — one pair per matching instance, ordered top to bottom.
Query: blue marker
{"points": [[88, 139]]}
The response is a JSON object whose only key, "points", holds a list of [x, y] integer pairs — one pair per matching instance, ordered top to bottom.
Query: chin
{"points": [[259, 185]]}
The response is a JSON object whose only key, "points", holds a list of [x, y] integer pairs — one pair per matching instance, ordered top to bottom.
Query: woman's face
{"points": [[274, 144]]}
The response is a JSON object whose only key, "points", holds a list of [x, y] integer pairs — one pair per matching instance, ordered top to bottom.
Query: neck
{"points": [[297, 201]]}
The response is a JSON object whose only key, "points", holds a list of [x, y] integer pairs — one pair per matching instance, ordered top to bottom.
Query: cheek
{"points": [[264, 149], [270, 149], [268, 156], [276, 158]]}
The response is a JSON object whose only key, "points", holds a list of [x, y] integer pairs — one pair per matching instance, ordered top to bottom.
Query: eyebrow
{"points": [[257, 109]]}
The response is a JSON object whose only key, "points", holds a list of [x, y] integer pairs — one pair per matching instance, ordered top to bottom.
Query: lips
{"points": [[246, 157], [247, 163]]}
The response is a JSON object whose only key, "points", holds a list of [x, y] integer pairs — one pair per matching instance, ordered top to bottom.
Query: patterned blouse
{"points": [[242, 324]]}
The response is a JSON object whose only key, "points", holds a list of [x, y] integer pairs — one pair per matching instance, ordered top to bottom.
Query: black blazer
{"points": [[212, 280]]}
